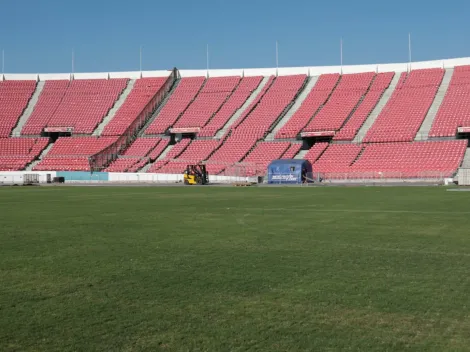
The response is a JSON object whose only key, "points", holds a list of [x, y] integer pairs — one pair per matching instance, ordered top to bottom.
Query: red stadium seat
{"points": [[14, 98], [179, 101], [454, 111], [404, 113], [17, 153]]}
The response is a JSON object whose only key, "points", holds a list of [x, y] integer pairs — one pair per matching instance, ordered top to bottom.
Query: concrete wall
{"points": [[282, 71], [20, 76], [55, 76], [83, 176], [16, 177], [463, 177], [167, 178]]}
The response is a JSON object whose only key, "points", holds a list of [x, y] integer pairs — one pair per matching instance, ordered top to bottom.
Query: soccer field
{"points": [[234, 269]]}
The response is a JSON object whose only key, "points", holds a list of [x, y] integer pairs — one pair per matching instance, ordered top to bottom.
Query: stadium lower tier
{"points": [[329, 161]]}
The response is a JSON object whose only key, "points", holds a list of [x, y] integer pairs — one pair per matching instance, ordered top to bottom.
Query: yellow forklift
{"points": [[196, 175]]}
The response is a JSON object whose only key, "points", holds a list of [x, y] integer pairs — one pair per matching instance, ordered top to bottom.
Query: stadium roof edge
{"points": [[281, 71]]}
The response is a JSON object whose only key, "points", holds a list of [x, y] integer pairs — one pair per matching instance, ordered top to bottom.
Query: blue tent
{"points": [[288, 170]]}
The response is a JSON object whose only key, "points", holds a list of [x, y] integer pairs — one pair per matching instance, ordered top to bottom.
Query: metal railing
{"points": [[102, 159], [368, 177]]}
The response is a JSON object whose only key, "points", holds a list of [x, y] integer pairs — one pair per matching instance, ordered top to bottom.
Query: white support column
{"points": [[409, 52], [277, 58], [207, 59], [73, 61]]}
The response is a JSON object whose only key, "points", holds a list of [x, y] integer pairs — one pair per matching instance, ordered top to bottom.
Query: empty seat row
{"points": [[243, 91], [184, 94], [141, 95], [212, 96], [346, 96], [14, 98], [314, 100], [48, 102], [79, 104], [272, 104], [454, 111], [360, 115], [403, 115], [142, 146], [17, 153], [173, 153], [391, 160], [257, 161], [122, 164]]}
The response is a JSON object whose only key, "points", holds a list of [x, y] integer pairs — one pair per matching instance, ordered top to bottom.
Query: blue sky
{"points": [[38, 35]]}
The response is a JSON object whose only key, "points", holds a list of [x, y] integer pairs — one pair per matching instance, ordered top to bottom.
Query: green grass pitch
{"points": [[234, 269]]}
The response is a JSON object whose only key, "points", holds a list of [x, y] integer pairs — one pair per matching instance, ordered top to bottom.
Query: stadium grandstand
{"points": [[407, 121]]}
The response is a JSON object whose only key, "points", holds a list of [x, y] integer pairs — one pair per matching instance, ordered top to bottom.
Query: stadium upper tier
{"points": [[393, 119]]}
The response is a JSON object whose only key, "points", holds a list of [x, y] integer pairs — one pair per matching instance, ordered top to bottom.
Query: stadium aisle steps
{"points": [[146, 96], [255, 96], [51, 97], [14, 98], [236, 100], [179, 101], [208, 101], [298, 102], [341, 103], [85, 104], [436, 104], [117, 105], [272, 105], [311, 106], [29, 109], [159, 109], [364, 109], [378, 109], [455, 109], [406, 110], [292, 151], [196, 152], [17, 153], [314, 153], [71, 154], [169, 154], [301, 154], [40, 157], [466, 159]]}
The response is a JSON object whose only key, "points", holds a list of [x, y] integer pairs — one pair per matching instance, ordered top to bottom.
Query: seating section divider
{"points": [[142, 93], [346, 96], [179, 101], [338, 103], [454, 111], [404, 113]]}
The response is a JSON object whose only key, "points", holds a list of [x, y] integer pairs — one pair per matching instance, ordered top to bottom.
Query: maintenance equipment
{"points": [[196, 175]]}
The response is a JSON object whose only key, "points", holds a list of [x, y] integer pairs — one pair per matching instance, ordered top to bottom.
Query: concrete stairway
{"points": [[308, 87], [160, 107], [378, 108], [29, 109], [240, 111], [112, 112], [432, 112], [301, 154], [162, 155], [41, 156], [466, 160]]}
